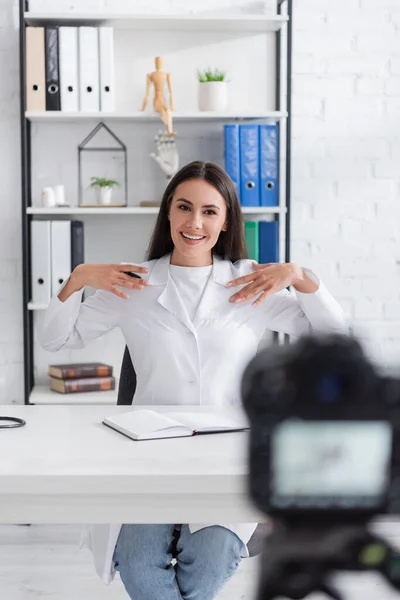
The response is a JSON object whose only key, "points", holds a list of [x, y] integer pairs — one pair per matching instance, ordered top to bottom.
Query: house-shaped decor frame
{"points": [[118, 148]]}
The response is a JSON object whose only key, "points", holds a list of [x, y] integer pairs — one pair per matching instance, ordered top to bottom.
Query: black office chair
{"points": [[127, 380], [126, 391]]}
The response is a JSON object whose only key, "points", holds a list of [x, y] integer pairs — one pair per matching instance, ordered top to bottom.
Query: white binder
{"points": [[68, 51], [107, 83], [89, 99], [60, 253], [41, 261]]}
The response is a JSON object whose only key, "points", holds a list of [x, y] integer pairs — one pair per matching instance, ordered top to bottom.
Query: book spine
{"points": [[52, 70], [232, 156], [249, 165], [251, 234], [83, 372], [93, 384]]}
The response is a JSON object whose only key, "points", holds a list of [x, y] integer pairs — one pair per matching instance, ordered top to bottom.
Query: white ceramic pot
{"points": [[213, 96], [104, 195]]}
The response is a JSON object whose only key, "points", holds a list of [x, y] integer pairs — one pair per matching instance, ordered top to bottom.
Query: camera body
{"points": [[325, 432]]}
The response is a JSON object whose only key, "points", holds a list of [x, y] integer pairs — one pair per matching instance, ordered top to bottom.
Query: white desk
{"points": [[64, 466]]}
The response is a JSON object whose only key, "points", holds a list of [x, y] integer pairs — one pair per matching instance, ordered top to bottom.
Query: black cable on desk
{"points": [[12, 422]]}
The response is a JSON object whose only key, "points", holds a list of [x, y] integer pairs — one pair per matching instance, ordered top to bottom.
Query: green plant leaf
{"points": [[210, 75], [102, 182]]}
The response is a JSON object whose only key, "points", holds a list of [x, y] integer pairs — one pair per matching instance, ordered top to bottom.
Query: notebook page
{"points": [[144, 421], [208, 421]]}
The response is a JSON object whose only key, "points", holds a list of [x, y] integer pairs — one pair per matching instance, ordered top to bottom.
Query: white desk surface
{"points": [[65, 466]]}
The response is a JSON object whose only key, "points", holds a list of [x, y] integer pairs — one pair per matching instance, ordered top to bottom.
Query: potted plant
{"points": [[213, 90], [103, 188]]}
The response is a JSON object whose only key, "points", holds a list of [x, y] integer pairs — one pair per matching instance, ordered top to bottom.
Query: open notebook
{"points": [[150, 425]]}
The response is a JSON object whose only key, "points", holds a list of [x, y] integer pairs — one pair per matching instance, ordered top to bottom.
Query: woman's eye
{"points": [[183, 206], [211, 212]]}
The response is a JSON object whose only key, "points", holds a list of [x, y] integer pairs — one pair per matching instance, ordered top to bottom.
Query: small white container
{"points": [[213, 96], [59, 193], [104, 195], [48, 197]]}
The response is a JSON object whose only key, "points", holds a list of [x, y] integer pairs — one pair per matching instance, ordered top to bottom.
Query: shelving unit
{"points": [[242, 23], [236, 26], [43, 117], [136, 210], [41, 394]]}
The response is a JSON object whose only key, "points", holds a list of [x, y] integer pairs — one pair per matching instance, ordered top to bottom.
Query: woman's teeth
{"points": [[192, 237]]}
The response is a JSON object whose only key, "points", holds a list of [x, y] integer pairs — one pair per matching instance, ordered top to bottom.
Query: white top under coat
{"points": [[191, 283]]}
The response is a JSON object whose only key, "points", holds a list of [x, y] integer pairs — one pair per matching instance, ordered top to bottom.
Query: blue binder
{"points": [[232, 158], [249, 165], [269, 165], [268, 243]]}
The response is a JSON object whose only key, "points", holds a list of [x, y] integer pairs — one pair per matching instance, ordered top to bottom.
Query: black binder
{"points": [[53, 100], [77, 244]]}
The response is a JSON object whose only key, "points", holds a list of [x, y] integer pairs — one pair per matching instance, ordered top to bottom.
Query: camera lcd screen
{"points": [[324, 464]]}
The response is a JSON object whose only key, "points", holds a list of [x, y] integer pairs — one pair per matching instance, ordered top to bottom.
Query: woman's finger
{"points": [[134, 268], [241, 280], [127, 282], [263, 288], [118, 292], [247, 292], [263, 297]]}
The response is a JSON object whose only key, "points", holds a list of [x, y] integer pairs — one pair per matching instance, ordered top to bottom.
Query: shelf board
{"points": [[242, 23], [60, 116], [136, 210], [41, 394]]}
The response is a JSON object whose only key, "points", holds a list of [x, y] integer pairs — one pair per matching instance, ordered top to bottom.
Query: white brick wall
{"points": [[346, 59], [346, 157], [11, 353]]}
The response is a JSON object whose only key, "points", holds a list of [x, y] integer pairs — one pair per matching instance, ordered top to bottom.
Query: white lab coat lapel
{"points": [[220, 275], [169, 297], [171, 300]]}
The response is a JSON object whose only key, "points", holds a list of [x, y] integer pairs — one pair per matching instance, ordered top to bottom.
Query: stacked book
{"points": [[81, 377]]}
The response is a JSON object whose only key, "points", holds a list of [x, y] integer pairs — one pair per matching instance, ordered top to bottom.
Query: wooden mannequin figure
{"points": [[158, 78]]}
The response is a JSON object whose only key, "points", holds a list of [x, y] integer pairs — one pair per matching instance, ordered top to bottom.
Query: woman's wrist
{"points": [[297, 274], [77, 278], [301, 282], [74, 283]]}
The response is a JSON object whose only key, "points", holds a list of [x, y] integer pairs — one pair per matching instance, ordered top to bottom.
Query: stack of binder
{"points": [[70, 69], [252, 162], [262, 241], [57, 247], [81, 377]]}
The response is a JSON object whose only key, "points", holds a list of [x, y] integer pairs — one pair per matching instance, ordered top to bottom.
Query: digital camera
{"points": [[325, 432]]}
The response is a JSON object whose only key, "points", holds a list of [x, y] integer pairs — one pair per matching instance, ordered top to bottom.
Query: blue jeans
{"points": [[205, 560]]}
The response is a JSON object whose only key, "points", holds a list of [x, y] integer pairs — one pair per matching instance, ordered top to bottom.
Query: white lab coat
{"points": [[182, 362]]}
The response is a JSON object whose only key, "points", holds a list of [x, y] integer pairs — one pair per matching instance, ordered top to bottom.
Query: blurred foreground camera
{"points": [[324, 459]]}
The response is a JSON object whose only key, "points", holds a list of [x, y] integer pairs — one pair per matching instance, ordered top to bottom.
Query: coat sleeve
{"points": [[297, 314], [73, 323]]}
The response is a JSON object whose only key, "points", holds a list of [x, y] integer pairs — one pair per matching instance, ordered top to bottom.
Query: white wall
{"points": [[346, 105], [346, 159], [11, 370]]}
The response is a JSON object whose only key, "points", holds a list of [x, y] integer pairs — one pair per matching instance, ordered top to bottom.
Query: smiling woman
{"points": [[197, 248]]}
